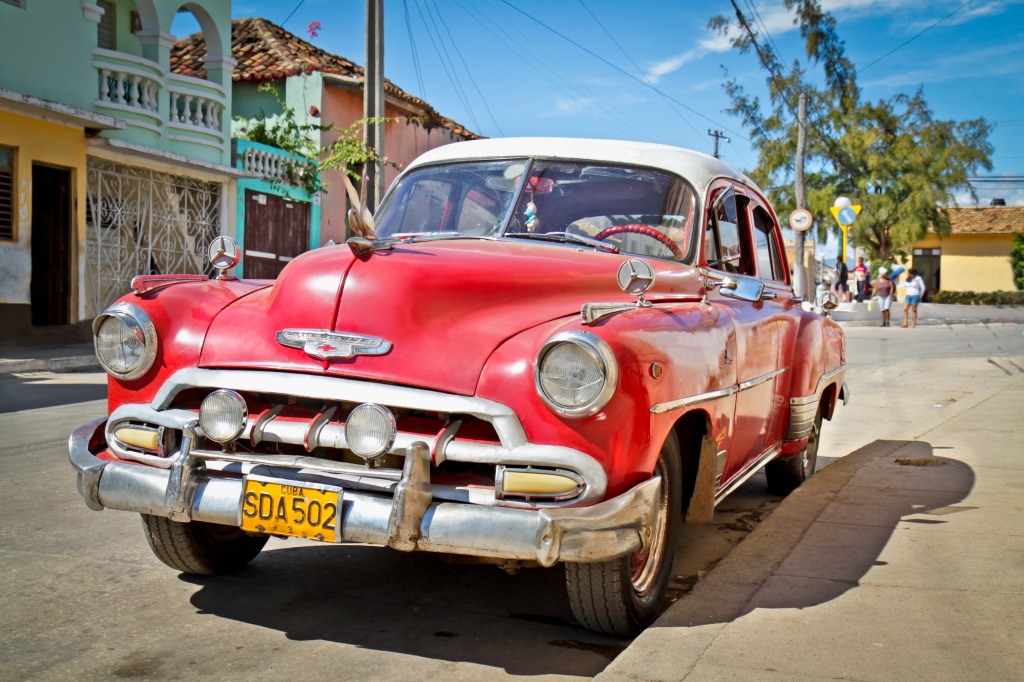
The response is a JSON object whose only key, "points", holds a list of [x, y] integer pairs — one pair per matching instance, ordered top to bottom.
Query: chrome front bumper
{"points": [[409, 520]]}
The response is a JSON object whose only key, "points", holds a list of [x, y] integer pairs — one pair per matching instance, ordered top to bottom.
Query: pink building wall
{"points": [[403, 142]]}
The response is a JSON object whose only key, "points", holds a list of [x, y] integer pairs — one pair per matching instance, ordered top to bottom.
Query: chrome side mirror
{"points": [[743, 288]]}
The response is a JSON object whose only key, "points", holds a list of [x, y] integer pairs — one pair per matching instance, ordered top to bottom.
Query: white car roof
{"points": [[700, 169]]}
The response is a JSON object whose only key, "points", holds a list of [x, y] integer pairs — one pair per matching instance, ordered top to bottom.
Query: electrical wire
{"points": [[290, 15], [913, 38], [415, 56], [465, 66], [449, 68], [624, 72], [568, 85]]}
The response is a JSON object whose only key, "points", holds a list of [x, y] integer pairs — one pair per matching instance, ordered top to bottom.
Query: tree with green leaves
{"points": [[892, 156]]}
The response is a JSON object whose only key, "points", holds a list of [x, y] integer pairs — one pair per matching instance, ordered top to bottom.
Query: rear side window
{"points": [[766, 247]]}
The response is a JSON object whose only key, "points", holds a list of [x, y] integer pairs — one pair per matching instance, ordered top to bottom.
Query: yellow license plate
{"points": [[278, 507]]}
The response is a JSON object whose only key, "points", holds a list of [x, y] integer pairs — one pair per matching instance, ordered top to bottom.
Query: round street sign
{"points": [[846, 215], [801, 219]]}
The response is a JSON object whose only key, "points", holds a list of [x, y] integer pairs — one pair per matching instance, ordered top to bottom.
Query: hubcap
{"points": [[643, 566]]}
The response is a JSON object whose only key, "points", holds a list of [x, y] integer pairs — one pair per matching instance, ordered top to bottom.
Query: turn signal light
{"points": [[537, 484]]}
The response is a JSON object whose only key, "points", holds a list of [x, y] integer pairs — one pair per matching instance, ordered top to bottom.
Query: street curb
{"points": [[65, 364], [672, 646]]}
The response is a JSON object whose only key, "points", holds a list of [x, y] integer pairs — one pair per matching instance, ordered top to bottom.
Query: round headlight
{"points": [[125, 340], [576, 373], [222, 415], [370, 430]]}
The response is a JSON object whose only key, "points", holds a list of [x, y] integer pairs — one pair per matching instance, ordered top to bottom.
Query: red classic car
{"points": [[541, 351]]}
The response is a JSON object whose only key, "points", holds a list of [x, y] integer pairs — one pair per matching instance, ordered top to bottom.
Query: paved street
{"points": [[83, 597]]}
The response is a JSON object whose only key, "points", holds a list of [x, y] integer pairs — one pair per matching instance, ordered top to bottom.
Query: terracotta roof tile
{"points": [[265, 51], [987, 220]]}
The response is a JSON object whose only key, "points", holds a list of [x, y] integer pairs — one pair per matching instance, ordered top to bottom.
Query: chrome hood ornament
{"points": [[325, 344]]}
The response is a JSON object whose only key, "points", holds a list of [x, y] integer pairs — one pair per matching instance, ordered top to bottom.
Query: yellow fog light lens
{"points": [[222, 415], [370, 431], [144, 439], [537, 484]]}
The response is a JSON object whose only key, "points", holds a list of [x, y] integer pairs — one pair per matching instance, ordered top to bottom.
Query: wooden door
{"points": [[276, 231], [51, 245]]}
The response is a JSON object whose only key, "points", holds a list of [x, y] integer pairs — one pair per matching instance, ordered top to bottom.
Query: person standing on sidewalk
{"points": [[842, 275], [861, 276], [913, 291], [883, 292]]}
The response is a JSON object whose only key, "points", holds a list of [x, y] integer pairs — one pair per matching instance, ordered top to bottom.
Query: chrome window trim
{"points": [[661, 408]]}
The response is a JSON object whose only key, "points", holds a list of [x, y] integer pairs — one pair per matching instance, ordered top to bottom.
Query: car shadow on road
{"points": [[34, 390], [823, 540], [415, 604]]}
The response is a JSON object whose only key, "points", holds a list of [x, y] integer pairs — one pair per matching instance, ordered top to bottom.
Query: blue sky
{"points": [[651, 70]]}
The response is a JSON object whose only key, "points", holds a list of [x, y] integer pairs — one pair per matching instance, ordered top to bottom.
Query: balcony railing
{"points": [[177, 108], [269, 163]]}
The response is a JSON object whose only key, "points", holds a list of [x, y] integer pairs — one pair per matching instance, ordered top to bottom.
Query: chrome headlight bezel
{"points": [[130, 315], [604, 359]]}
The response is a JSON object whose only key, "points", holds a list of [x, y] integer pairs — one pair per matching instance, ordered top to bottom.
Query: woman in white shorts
{"points": [[883, 287], [913, 291]]}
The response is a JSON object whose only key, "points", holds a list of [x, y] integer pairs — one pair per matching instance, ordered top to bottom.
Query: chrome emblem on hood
{"points": [[324, 344]]}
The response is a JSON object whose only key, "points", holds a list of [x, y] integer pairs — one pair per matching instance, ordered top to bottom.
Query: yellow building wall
{"points": [[36, 141], [973, 262]]}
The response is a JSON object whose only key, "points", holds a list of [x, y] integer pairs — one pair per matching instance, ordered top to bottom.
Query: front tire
{"points": [[784, 476], [201, 548], [624, 595]]}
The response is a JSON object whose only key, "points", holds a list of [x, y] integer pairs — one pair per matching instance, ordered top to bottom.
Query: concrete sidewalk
{"points": [[54, 359], [901, 561]]}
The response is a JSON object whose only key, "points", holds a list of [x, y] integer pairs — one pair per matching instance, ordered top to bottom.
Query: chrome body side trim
{"points": [[661, 408], [751, 469], [411, 520]]}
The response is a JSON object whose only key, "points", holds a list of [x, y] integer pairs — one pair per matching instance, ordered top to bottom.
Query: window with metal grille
{"points": [[107, 30], [6, 193]]}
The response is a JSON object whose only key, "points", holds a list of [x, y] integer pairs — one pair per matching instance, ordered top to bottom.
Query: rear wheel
{"points": [[786, 474], [201, 548], [623, 595]]}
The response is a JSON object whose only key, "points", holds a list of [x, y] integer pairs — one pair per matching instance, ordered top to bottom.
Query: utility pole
{"points": [[373, 100], [718, 135], [800, 193]]}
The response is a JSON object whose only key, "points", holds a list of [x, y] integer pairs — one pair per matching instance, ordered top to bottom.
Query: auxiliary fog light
{"points": [[222, 415], [370, 430], [536, 484]]}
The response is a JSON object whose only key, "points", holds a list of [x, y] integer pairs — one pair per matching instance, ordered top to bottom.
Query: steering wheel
{"points": [[645, 230]]}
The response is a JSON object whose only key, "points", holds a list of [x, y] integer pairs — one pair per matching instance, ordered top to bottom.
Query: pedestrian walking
{"points": [[842, 275], [861, 276], [914, 287], [884, 289]]}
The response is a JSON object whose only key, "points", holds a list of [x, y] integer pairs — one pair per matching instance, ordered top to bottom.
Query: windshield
{"points": [[631, 209]]}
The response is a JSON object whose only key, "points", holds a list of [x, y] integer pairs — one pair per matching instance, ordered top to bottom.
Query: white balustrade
{"points": [[128, 90], [195, 111], [267, 165]]}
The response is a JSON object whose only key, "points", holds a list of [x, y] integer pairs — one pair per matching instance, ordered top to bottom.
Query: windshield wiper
{"points": [[411, 237], [565, 238]]}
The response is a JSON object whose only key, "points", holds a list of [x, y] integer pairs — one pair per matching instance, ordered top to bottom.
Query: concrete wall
{"points": [[37, 141], [973, 262]]}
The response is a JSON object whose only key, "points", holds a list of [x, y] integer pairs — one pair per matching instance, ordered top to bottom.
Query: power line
{"points": [[292, 13], [913, 38], [415, 56], [449, 68], [549, 70], [622, 71], [469, 73]]}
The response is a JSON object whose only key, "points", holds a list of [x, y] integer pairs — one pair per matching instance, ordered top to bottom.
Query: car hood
{"points": [[443, 306]]}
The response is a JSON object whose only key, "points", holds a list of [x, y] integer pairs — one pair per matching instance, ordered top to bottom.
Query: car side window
{"points": [[725, 243], [766, 247]]}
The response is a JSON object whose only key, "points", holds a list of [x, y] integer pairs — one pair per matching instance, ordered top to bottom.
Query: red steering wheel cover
{"points": [[647, 230]]}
